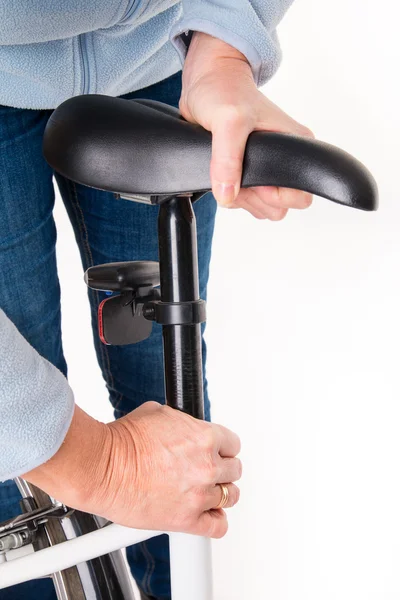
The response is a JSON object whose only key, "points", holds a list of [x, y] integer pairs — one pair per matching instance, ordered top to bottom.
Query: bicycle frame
{"points": [[191, 573]]}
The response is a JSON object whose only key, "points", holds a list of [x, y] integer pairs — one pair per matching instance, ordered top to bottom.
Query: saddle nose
{"points": [[146, 147]]}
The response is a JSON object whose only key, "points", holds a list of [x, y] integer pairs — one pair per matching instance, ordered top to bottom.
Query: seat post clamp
{"points": [[175, 313]]}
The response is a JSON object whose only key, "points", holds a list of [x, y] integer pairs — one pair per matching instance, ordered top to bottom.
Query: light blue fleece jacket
{"points": [[51, 50], [36, 404]]}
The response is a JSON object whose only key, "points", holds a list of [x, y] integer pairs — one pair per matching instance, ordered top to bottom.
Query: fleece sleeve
{"points": [[247, 25], [36, 404]]}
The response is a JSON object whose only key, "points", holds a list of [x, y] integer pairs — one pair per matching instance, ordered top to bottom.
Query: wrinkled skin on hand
{"points": [[156, 468]]}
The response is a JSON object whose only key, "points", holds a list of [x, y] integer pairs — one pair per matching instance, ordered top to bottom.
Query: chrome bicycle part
{"points": [[48, 523]]}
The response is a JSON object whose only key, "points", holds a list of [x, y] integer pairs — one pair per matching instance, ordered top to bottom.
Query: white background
{"points": [[303, 335]]}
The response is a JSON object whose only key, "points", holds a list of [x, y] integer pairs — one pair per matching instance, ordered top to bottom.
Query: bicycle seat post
{"points": [[179, 281]]}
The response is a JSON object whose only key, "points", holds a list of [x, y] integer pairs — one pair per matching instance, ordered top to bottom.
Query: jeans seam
{"points": [[84, 236], [118, 402]]}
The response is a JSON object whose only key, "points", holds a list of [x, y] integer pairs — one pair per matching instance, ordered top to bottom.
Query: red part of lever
{"points": [[100, 321]]}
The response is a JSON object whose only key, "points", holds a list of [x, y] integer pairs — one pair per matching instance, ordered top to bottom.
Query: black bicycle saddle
{"points": [[146, 147]]}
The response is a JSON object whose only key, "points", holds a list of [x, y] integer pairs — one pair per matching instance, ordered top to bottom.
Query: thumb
{"points": [[229, 139]]}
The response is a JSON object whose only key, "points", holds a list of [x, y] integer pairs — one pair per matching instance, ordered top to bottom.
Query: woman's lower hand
{"points": [[220, 94], [167, 466], [156, 468]]}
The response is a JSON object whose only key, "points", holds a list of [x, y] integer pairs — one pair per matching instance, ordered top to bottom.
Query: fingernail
{"points": [[225, 193], [307, 199]]}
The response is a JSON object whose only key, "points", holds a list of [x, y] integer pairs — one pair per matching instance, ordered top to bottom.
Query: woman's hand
{"points": [[219, 93], [157, 468]]}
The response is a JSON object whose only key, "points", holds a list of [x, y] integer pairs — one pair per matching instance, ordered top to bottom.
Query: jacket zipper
{"points": [[84, 63]]}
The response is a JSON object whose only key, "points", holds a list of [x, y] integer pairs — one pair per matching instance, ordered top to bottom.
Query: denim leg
{"points": [[110, 230], [29, 289], [30, 295]]}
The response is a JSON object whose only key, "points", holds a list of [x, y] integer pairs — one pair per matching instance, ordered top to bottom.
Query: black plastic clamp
{"points": [[175, 313]]}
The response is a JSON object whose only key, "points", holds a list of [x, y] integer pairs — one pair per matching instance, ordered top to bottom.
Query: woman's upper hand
{"points": [[220, 94], [156, 468]]}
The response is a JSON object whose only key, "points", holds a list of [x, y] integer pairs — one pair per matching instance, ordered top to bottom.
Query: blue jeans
{"points": [[106, 230]]}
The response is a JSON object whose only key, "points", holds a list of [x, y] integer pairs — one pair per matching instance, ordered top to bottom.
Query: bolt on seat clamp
{"points": [[175, 313]]}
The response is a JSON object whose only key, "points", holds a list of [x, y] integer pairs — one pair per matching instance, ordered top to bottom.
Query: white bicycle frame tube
{"points": [[191, 568], [191, 572]]}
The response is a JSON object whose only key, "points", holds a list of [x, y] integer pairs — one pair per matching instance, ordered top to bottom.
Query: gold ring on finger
{"points": [[224, 496]]}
